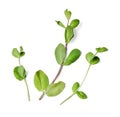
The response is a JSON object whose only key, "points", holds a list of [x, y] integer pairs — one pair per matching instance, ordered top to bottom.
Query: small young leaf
{"points": [[67, 14], [74, 23], [60, 24], [69, 34], [21, 49], [101, 49], [15, 53], [22, 53], [60, 53], [89, 56], [72, 57], [95, 60], [19, 72], [41, 81], [75, 86], [55, 89], [81, 95]]}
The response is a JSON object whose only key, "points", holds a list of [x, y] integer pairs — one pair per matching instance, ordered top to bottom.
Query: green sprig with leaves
{"points": [[63, 58], [92, 59], [19, 71], [41, 80]]}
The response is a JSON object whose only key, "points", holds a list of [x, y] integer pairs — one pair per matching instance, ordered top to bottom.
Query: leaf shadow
{"points": [[76, 32]]}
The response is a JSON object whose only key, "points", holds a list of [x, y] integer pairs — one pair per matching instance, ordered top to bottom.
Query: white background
{"points": [[31, 23]]}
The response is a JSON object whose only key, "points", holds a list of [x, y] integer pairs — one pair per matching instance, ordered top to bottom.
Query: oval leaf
{"points": [[67, 14], [74, 23], [60, 24], [69, 34], [101, 49], [15, 53], [60, 53], [22, 54], [89, 56], [72, 57], [95, 60], [19, 72], [41, 81], [75, 86], [55, 89], [81, 95]]}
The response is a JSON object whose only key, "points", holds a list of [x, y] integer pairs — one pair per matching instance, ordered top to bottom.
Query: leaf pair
{"points": [[73, 24], [17, 53], [60, 55], [92, 58], [41, 82], [80, 94]]}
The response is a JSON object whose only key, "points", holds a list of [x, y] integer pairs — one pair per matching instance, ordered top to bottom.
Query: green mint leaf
{"points": [[67, 14], [74, 23], [60, 24], [69, 34], [101, 49], [15, 53], [60, 53], [22, 54], [89, 56], [72, 57], [95, 60], [20, 72], [41, 80], [75, 86], [55, 89], [81, 95]]}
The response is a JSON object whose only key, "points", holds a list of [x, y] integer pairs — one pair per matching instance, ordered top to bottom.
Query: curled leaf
{"points": [[67, 14], [74, 23], [60, 24], [69, 34], [101, 49], [60, 53], [22, 54], [72, 57], [95, 60], [19, 72], [41, 81], [75, 86], [55, 89], [81, 95]]}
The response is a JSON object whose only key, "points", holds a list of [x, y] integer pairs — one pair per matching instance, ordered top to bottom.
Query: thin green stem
{"points": [[68, 23], [95, 54], [19, 61], [85, 75], [27, 89], [67, 98]]}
